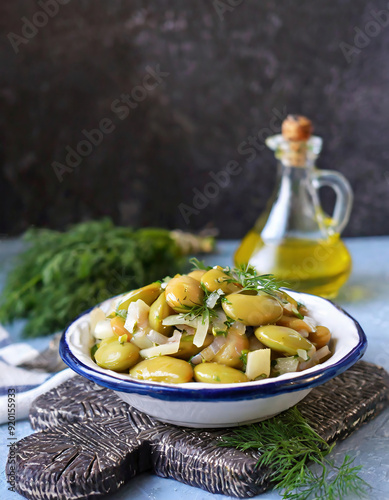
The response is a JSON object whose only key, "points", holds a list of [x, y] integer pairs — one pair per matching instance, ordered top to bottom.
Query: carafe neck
{"points": [[297, 154], [294, 210]]}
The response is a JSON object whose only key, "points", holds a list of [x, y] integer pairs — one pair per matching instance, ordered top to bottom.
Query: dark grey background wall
{"points": [[227, 70]]}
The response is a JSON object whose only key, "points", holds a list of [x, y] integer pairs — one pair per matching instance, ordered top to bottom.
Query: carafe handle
{"points": [[344, 196]]}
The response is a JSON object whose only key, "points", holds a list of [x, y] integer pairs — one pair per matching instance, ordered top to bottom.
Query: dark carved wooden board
{"points": [[89, 442]]}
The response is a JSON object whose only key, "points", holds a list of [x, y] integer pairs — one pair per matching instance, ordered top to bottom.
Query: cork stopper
{"points": [[297, 128]]}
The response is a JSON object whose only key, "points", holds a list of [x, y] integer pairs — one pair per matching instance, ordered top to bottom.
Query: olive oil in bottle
{"points": [[294, 239], [318, 267]]}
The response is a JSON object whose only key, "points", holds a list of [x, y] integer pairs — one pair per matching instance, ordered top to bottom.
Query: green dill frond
{"points": [[198, 264], [249, 279], [122, 313], [243, 358], [287, 445]]}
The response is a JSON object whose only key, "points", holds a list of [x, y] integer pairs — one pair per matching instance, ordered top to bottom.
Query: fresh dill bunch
{"points": [[61, 274], [287, 444]]}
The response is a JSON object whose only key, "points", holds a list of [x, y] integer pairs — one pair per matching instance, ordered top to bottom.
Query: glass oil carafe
{"points": [[294, 238]]}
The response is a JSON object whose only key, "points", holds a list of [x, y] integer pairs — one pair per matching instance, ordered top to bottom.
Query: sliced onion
{"points": [[213, 298], [287, 306], [95, 316], [137, 316], [179, 319], [310, 322], [219, 323], [238, 327], [103, 329], [188, 329], [201, 332], [176, 336], [157, 338], [140, 340], [217, 344], [160, 350], [209, 352], [322, 352], [315, 358], [196, 360], [258, 364], [286, 365]]}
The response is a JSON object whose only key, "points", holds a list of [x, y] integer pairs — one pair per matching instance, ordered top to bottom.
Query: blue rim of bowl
{"points": [[214, 394]]}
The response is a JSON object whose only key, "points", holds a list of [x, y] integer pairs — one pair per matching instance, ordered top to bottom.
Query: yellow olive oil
{"points": [[319, 267]]}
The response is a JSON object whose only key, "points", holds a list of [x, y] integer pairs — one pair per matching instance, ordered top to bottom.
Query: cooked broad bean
{"points": [[197, 274], [215, 279], [183, 292], [147, 293], [290, 306], [160, 310], [252, 310], [294, 323], [226, 324], [117, 325], [320, 337], [282, 338], [107, 340], [187, 349], [231, 352], [117, 356], [163, 369], [213, 373]]}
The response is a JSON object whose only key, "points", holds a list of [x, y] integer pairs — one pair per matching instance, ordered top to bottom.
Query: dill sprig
{"points": [[198, 264], [249, 279], [202, 310], [287, 444]]}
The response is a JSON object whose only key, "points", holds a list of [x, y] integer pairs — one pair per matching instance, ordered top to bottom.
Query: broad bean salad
{"points": [[217, 325]]}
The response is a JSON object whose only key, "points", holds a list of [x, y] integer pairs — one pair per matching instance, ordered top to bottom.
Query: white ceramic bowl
{"points": [[223, 405]]}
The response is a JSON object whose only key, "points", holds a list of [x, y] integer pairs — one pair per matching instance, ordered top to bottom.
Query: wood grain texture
{"points": [[89, 442]]}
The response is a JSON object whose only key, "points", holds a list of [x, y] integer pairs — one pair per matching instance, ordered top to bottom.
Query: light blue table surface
{"points": [[365, 297]]}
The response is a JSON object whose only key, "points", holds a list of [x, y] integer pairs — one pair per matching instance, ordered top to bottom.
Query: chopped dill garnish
{"points": [[202, 309], [122, 313], [228, 321], [243, 358], [287, 444]]}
